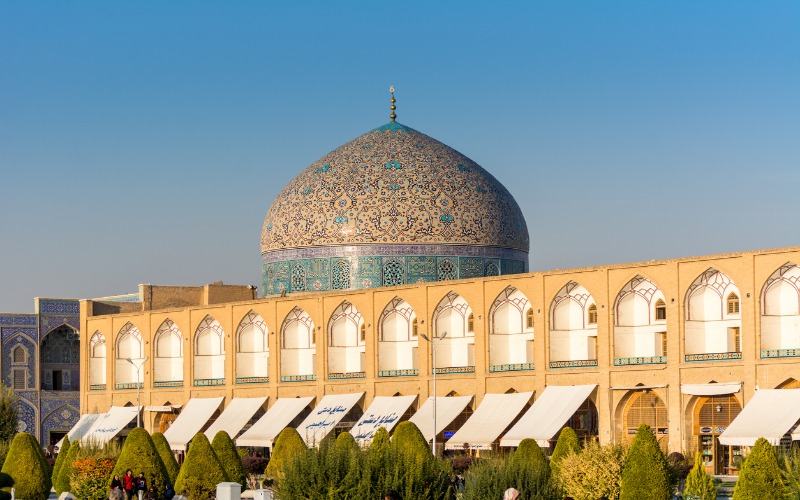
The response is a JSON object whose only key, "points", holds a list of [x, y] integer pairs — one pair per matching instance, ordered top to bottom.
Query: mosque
{"points": [[396, 287]]}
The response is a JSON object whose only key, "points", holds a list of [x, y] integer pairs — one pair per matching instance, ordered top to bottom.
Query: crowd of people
{"points": [[135, 488]]}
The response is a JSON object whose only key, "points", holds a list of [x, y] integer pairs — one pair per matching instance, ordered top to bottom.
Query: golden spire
{"points": [[392, 107]]}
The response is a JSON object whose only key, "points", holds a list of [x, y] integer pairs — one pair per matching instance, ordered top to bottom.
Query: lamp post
{"points": [[433, 346], [138, 388]]}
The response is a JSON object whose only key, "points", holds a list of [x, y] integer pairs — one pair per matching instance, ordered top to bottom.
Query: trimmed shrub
{"points": [[9, 404], [407, 439], [567, 443], [288, 444], [3, 451], [62, 454], [140, 455], [167, 457], [229, 458], [790, 465], [26, 466], [526, 470], [201, 471], [595, 472], [646, 475], [760, 476], [90, 478], [485, 479], [699, 482], [61, 483]]}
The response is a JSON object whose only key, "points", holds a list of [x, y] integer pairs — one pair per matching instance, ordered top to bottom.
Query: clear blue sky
{"points": [[142, 142]]}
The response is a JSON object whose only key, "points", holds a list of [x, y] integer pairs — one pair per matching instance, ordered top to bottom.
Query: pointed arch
{"points": [[780, 313], [451, 315], [640, 324], [710, 328], [511, 332], [573, 334], [398, 340], [298, 347], [252, 349], [346, 349], [455, 352], [209, 353], [130, 355], [168, 355], [97, 361]]}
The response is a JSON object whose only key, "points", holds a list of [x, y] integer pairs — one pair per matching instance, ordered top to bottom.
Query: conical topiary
{"points": [[408, 440], [567, 443], [288, 445], [62, 454], [529, 454], [140, 455], [167, 457], [229, 458], [27, 467], [201, 471], [528, 471], [646, 474], [760, 476], [699, 482], [61, 483]]}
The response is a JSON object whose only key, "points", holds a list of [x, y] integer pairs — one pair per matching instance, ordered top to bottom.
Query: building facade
{"points": [[679, 344]]}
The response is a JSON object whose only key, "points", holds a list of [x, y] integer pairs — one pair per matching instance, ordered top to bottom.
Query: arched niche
{"points": [[780, 313], [640, 323], [713, 325], [511, 332], [573, 332], [398, 340], [346, 342], [298, 347], [252, 350], [209, 353], [455, 353], [168, 355], [130, 358], [97, 361]]}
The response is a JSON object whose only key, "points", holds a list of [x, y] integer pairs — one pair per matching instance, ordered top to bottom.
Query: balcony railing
{"points": [[780, 353], [712, 356], [641, 360], [578, 363], [511, 367], [454, 369], [407, 372], [346, 375], [298, 378], [252, 380], [205, 382], [168, 383], [129, 385], [97, 387]]}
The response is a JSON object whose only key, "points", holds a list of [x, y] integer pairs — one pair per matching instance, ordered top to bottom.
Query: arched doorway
{"points": [[646, 407], [712, 415], [584, 421]]}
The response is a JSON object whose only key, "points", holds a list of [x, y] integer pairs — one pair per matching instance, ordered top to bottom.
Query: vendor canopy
{"points": [[711, 389], [447, 409], [330, 411], [385, 411], [548, 414], [771, 414], [235, 416], [491, 418], [190, 421], [108, 425], [81, 427], [266, 430]]}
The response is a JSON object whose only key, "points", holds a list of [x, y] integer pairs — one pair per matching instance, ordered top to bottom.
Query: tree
{"points": [[9, 415], [407, 439], [567, 443], [288, 444], [62, 455], [140, 455], [167, 457], [229, 458], [28, 468], [201, 471], [529, 472], [595, 472], [646, 475], [760, 476], [699, 483], [61, 484]]}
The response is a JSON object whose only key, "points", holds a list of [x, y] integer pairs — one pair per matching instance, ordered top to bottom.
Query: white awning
{"points": [[711, 389], [162, 409], [447, 409], [385, 411], [329, 412], [548, 414], [771, 414], [235, 416], [491, 418], [191, 421], [108, 425], [81, 427], [266, 430]]}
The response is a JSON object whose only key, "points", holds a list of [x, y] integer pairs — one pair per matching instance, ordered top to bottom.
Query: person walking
{"points": [[128, 484], [141, 485], [169, 492]]}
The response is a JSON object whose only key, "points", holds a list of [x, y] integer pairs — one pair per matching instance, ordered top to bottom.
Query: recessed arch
{"points": [[780, 313], [640, 326], [710, 327], [511, 332], [573, 337], [398, 341], [298, 346], [252, 349], [346, 349], [209, 353], [455, 353], [168, 355], [130, 357], [59, 359], [97, 361]]}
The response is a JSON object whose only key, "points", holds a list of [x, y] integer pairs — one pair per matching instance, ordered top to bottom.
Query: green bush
{"points": [[9, 402], [567, 443], [288, 444], [3, 451], [62, 454], [140, 455], [167, 457], [229, 458], [26, 465], [790, 467], [526, 470], [201, 471], [332, 471], [595, 472], [646, 474], [760, 476], [90, 477], [699, 482], [61, 484]]}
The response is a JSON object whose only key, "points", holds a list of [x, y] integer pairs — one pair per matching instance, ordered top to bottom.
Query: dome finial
{"points": [[392, 107]]}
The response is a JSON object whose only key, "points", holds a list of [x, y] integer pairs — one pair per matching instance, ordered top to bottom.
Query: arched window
{"points": [[733, 304], [661, 310], [592, 314], [529, 318], [471, 323], [168, 346], [252, 351], [209, 353], [19, 356], [97, 361]]}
